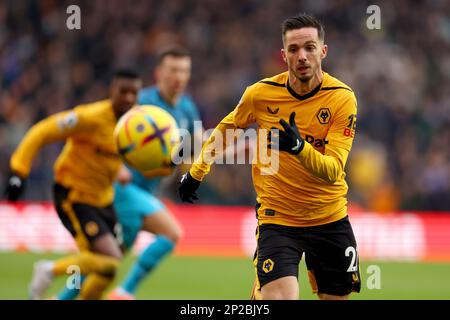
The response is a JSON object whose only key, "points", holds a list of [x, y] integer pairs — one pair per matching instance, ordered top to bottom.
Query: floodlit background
{"points": [[398, 171]]}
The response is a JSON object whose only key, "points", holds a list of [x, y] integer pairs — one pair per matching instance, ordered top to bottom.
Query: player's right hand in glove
{"points": [[15, 185], [187, 188]]}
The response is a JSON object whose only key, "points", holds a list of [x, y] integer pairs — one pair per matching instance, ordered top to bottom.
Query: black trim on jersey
{"points": [[272, 83], [335, 88], [305, 96], [301, 97]]}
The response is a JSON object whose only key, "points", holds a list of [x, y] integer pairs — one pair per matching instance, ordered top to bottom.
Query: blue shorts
{"points": [[132, 205]]}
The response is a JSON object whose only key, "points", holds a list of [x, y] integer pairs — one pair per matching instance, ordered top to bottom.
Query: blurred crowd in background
{"points": [[400, 73]]}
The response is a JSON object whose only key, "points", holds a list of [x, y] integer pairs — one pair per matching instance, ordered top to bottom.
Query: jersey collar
{"points": [[309, 94]]}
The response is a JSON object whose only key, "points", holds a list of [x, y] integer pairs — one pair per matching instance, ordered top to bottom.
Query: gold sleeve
{"points": [[241, 117], [54, 128], [215, 145], [330, 166]]}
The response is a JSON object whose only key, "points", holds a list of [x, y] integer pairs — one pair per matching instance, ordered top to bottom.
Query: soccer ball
{"points": [[146, 136]]}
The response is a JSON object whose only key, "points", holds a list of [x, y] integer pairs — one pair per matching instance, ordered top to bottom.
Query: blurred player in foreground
{"points": [[83, 190], [136, 206], [302, 206]]}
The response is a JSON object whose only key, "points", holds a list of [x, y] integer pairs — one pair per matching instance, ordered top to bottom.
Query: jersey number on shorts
{"points": [[354, 263]]}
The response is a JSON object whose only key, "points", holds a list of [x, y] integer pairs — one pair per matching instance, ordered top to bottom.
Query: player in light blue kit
{"points": [[136, 206]]}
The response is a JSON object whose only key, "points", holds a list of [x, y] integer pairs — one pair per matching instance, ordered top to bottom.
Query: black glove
{"points": [[290, 139], [15, 186], [187, 188]]}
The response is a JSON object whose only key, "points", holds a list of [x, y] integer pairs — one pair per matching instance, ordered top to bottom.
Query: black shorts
{"points": [[85, 222], [330, 254]]}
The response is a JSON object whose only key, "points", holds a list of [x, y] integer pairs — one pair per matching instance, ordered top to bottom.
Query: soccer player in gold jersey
{"points": [[83, 190], [301, 206]]}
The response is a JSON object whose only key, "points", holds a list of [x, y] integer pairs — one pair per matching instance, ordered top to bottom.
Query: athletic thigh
{"points": [[133, 205]]}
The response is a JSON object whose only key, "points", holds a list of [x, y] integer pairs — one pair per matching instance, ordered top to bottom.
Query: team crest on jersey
{"points": [[273, 111], [324, 115], [268, 265]]}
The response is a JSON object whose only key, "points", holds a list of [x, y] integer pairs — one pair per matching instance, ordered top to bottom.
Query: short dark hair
{"points": [[302, 20], [177, 52], [126, 73]]}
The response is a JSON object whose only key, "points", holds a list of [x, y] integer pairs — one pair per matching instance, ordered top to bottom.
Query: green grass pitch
{"points": [[207, 278]]}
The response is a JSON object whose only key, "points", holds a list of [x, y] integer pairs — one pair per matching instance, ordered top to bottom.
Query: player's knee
{"points": [[162, 224], [173, 233], [285, 288], [278, 294]]}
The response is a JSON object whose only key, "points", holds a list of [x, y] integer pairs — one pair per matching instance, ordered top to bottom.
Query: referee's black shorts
{"points": [[330, 254]]}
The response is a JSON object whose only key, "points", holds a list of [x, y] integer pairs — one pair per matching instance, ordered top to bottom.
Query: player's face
{"points": [[303, 52], [173, 74], [123, 93]]}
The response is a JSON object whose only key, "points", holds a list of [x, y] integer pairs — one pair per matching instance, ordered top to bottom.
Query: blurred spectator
{"points": [[399, 73]]}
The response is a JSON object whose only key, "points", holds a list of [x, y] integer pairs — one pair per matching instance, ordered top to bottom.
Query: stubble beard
{"points": [[305, 78]]}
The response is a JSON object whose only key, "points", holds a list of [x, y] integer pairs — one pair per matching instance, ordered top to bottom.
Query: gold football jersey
{"points": [[89, 162], [308, 189]]}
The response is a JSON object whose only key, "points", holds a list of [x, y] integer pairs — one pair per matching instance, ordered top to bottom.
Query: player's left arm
{"points": [[241, 117], [330, 166]]}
